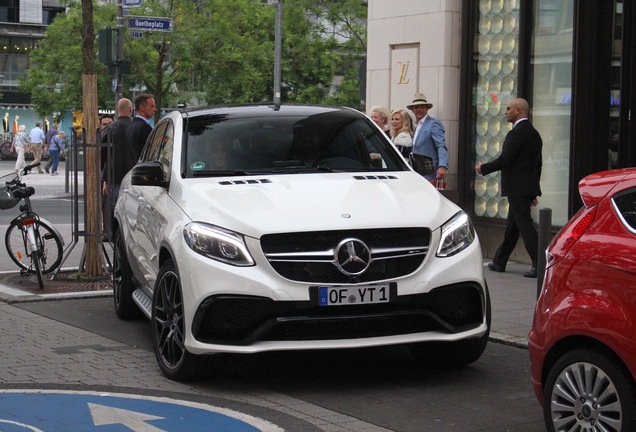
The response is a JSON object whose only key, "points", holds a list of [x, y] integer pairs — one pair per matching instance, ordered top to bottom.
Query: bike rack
{"points": [[71, 185]]}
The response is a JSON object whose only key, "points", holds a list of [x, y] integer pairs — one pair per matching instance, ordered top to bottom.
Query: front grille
{"points": [[311, 256], [242, 320]]}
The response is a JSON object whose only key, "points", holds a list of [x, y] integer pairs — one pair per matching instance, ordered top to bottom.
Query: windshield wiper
{"points": [[303, 169], [220, 173]]}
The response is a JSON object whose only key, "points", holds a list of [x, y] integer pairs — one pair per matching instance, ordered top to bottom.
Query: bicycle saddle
{"points": [[23, 192]]}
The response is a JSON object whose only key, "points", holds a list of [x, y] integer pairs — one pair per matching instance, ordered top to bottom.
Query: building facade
{"points": [[22, 25], [571, 59]]}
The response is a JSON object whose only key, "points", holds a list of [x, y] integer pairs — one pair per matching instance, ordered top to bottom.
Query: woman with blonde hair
{"points": [[401, 132], [20, 143]]}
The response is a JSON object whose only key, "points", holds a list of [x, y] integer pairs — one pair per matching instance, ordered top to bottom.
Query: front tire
{"points": [[37, 267], [123, 286], [168, 327], [589, 390]]}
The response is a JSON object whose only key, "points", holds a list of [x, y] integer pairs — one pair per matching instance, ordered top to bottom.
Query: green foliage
{"points": [[219, 52], [54, 77]]}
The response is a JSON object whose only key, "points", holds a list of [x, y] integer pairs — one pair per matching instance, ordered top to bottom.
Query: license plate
{"points": [[341, 296]]}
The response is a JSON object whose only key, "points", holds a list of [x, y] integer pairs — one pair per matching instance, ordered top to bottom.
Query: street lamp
{"points": [[277, 48], [277, 51]]}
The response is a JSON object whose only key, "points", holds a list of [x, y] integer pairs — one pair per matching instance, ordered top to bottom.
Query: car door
{"points": [[151, 204]]}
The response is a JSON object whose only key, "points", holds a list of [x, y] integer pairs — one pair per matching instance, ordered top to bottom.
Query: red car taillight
{"points": [[571, 232]]}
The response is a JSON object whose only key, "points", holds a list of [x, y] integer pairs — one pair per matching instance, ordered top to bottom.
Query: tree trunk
{"points": [[92, 218], [92, 226]]}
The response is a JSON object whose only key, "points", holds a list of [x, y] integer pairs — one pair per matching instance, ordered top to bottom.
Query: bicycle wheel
{"points": [[5, 150], [50, 246], [37, 266]]}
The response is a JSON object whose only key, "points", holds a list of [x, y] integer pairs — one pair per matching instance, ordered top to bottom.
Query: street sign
{"points": [[132, 3], [149, 23], [136, 34]]}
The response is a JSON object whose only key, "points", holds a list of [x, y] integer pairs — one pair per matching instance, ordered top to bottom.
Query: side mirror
{"points": [[148, 174]]}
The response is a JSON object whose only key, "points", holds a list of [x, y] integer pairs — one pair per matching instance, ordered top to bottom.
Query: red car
{"points": [[583, 340]]}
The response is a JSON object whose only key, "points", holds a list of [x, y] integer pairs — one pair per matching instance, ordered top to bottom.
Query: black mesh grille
{"points": [[409, 247], [241, 320]]}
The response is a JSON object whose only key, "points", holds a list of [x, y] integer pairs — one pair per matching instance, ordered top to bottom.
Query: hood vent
{"points": [[375, 177], [244, 182]]}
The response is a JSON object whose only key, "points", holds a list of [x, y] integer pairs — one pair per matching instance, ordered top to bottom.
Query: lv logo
{"points": [[404, 68]]}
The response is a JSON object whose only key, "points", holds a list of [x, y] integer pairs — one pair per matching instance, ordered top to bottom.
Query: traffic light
{"points": [[106, 49]]}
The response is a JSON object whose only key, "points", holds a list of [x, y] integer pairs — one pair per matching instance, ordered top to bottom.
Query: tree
{"points": [[220, 51], [56, 67], [92, 264]]}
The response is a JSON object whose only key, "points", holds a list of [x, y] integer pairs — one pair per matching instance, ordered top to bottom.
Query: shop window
{"points": [[496, 63], [551, 80]]}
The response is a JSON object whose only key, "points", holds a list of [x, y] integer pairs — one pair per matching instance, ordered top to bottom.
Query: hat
{"points": [[420, 99]]}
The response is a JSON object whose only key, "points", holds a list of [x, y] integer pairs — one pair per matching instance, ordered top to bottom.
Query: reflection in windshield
{"points": [[332, 141]]}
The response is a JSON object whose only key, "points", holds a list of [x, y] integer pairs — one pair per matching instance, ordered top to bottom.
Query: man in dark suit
{"points": [[140, 127], [118, 158], [520, 164]]}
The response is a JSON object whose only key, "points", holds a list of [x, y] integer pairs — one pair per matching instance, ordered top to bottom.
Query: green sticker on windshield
{"points": [[197, 166]]}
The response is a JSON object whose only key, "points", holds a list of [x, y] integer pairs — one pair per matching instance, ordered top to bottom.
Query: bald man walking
{"points": [[520, 163]]}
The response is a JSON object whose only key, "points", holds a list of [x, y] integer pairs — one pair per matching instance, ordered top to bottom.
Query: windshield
{"points": [[334, 141]]}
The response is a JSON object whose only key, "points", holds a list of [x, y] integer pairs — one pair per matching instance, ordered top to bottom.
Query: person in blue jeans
{"points": [[55, 148]]}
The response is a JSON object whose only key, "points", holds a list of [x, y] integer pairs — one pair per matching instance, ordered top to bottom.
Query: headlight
{"points": [[457, 234], [218, 244]]}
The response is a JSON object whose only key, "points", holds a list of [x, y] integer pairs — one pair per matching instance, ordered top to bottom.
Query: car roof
{"points": [[263, 110], [595, 187]]}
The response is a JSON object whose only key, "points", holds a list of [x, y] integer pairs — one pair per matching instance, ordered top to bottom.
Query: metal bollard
{"points": [[545, 226]]}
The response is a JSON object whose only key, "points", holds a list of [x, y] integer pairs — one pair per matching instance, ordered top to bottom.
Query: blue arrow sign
{"points": [[132, 3], [149, 23], [43, 410]]}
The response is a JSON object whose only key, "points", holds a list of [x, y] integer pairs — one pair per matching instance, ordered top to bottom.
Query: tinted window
{"points": [[219, 144], [159, 146], [626, 205]]}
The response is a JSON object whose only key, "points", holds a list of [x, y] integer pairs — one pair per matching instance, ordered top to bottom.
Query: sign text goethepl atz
{"points": [[150, 23]]}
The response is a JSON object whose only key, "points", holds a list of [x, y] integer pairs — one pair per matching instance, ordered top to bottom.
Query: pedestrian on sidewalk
{"points": [[140, 127], [52, 132], [429, 137], [37, 139], [20, 143], [56, 148], [121, 156], [520, 164]]}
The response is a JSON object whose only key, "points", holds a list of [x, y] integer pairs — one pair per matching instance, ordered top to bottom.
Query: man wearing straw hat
{"points": [[429, 138]]}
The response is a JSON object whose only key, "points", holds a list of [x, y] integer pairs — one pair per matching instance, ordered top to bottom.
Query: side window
{"points": [[626, 205]]}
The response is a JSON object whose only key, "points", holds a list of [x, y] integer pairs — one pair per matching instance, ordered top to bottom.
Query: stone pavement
{"points": [[513, 297], [45, 353]]}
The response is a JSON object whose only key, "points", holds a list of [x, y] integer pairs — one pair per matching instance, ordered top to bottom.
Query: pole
{"points": [[277, 52], [119, 92], [545, 226]]}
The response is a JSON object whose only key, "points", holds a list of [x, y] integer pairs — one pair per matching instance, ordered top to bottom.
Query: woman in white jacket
{"points": [[401, 131], [20, 143]]}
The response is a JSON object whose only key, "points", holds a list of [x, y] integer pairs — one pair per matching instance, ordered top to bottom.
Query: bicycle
{"points": [[5, 148], [32, 242]]}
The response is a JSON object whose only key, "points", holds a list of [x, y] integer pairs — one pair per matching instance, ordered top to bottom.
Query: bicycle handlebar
{"points": [[15, 182]]}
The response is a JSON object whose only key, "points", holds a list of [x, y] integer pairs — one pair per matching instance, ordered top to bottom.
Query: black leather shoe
{"points": [[494, 267], [531, 274]]}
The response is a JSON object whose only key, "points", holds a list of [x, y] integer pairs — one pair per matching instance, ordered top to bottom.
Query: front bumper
{"points": [[238, 323]]}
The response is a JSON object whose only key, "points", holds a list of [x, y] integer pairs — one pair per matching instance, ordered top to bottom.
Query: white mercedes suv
{"points": [[246, 229]]}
